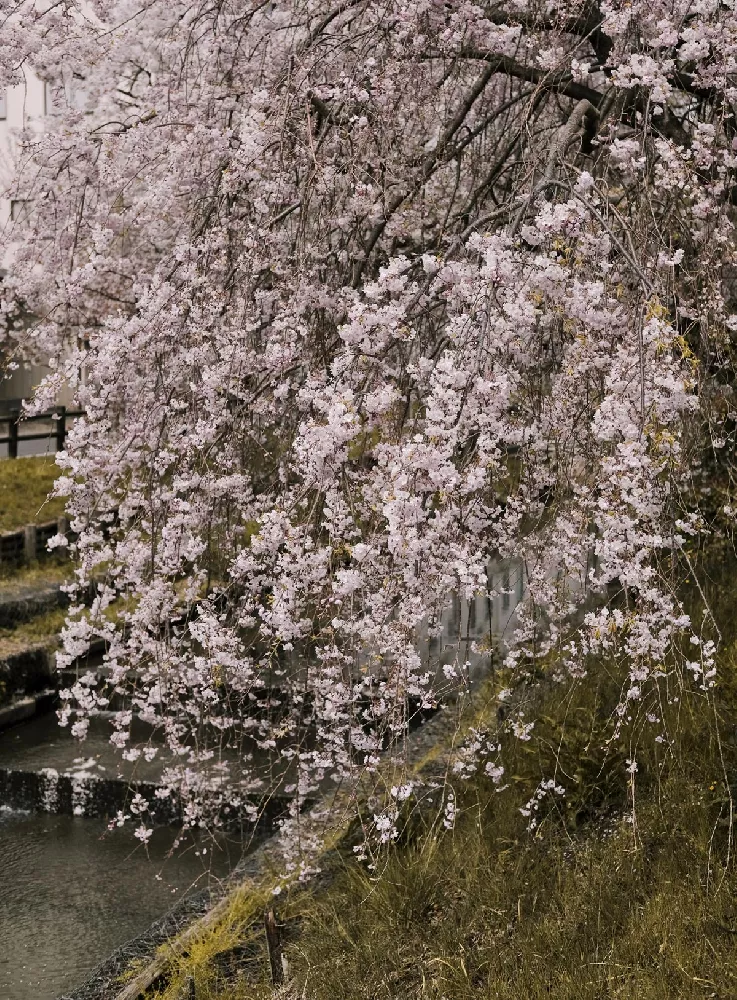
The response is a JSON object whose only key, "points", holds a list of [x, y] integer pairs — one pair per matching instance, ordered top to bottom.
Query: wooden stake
{"points": [[273, 943]]}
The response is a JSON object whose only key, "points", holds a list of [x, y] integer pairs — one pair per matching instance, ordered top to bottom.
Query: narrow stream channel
{"points": [[72, 891]]}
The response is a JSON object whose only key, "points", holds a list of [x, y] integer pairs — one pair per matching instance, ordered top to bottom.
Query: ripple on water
{"points": [[71, 892]]}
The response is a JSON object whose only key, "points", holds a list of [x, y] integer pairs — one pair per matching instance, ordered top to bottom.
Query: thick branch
{"points": [[586, 26], [557, 80], [578, 124], [665, 124], [428, 165]]}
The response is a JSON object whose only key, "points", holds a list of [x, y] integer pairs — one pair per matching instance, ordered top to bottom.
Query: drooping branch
{"points": [[581, 123], [426, 169], [330, 379]]}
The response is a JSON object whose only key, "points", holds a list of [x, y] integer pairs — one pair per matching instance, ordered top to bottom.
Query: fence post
{"points": [[61, 427], [13, 433], [30, 543], [274, 947]]}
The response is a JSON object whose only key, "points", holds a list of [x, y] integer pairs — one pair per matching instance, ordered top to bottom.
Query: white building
{"points": [[22, 107]]}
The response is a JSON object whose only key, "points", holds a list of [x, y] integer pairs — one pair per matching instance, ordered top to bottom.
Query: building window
{"points": [[48, 98], [3, 105], [19, 209]]}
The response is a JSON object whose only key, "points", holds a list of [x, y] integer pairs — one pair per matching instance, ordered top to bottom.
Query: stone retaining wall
{"points": [[30, 543], [25, 672]]}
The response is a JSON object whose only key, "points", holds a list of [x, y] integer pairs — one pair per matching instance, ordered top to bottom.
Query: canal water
{"points": [[41, 743], [71, 892]]}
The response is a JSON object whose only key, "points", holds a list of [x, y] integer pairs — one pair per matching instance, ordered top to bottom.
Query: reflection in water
{"points": [[71, 893]]}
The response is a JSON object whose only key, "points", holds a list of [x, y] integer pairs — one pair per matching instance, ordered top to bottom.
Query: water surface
{"points": [[71, 892]]}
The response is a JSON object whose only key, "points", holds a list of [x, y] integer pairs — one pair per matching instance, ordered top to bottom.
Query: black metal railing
{"points": [[59, 415]]}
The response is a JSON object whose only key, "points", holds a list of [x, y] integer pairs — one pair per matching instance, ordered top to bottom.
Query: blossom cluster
{"points": [[355, 300]]}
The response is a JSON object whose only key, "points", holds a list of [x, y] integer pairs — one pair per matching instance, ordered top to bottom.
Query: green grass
{"points": [[24, 487], [54, 568], [44, 629], [591, 906], [484, 912]]}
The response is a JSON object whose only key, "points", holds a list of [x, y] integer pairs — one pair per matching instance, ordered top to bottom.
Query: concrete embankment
{"points": [[27, 676]]}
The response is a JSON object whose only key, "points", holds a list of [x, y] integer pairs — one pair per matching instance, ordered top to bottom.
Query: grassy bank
{"points": [[25, 484], [626, 889], [601, 901], [612, 909]]}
